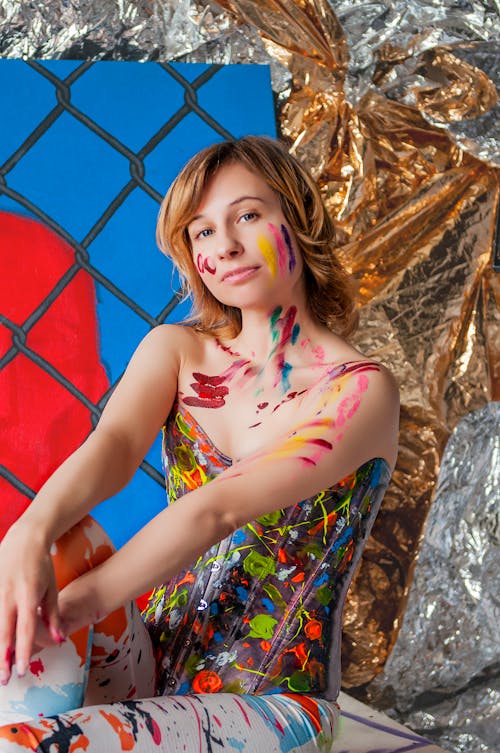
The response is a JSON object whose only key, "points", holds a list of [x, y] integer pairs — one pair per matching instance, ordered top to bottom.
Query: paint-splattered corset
{"points": [[260, 612]]}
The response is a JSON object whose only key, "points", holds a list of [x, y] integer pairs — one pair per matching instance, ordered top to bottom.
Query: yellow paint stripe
{"points": [[266, 248]]}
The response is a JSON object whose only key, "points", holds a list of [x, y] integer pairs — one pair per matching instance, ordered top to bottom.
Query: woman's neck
{"points": [[285, 334]]}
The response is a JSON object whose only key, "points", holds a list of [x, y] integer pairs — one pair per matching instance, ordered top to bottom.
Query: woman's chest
{"points": [[241, 411]]}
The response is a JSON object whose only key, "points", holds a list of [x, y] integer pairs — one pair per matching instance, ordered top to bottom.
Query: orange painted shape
{"points": [[126, 738]]}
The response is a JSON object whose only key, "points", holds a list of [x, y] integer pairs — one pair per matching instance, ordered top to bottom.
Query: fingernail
{"points": [[59, 637], [21, 668], [4, 677]]}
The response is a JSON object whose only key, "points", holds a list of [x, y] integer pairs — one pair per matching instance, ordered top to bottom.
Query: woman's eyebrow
{"points": [[244, 198], [231, 204]]}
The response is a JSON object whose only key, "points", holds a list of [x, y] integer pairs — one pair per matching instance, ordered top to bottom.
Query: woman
{"points": [[296, 433]]}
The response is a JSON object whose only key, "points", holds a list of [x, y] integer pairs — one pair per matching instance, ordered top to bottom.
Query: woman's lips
{"points": [[239, 275]]}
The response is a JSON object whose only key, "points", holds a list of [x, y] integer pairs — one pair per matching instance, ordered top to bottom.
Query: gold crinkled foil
{"points": [[393, 106], [415, 216]]}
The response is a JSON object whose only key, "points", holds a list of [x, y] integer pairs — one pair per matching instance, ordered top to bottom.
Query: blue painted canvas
{"points": [[89, 149]]}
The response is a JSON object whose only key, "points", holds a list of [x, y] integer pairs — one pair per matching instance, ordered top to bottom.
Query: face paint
{"points": [[288, 242], [282, 251], [268, 252], [205, 265], [209, 266]]}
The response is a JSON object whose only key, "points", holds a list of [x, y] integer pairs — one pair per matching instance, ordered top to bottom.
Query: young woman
{"points": [[279, 440]]}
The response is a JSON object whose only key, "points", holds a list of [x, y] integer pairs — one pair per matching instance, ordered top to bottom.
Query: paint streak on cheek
{"points": [[282, 251], [268, 252], [292, 261], [205, 265]]}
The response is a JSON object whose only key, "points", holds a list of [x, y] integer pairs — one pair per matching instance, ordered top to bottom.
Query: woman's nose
{"points": [[228, 245]]}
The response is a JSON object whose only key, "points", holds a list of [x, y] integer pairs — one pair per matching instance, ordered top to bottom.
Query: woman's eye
{"points": [[248, 216], [204, 233]]}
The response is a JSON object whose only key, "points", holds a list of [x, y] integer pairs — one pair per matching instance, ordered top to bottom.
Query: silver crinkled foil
{"points": [[442, 675]]}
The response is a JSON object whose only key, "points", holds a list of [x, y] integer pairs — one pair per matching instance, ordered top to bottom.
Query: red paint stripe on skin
{"points": [[282, 253], [199, 264], [211, 270], [288, 323], [280, 363], [226, 375], [206, 391], [197, 402], [321, 443], [307, 461], [243, 712]]}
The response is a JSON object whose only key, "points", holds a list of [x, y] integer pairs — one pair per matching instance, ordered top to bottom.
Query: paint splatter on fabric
{"points": [[260, 611], [184, 724]]}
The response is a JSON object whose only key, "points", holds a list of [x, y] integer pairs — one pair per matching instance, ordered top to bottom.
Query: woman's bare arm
{"points": [[321, 449], [98, 469]]}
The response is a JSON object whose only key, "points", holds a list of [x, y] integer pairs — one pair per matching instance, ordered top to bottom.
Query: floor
{"points": [[364, 730]]}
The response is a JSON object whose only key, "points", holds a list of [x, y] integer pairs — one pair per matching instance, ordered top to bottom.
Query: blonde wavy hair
{"points": [[329, 289]]}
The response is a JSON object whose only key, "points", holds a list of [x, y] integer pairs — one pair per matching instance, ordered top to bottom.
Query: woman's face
{"points": [[243, 248]]}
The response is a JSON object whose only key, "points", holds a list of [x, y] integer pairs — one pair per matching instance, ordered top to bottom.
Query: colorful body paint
{"points": [[282, 251], [268, 252], [291, 255], [205, 264], [283, 331], [226, 348], [211, 390], [306, 442]]}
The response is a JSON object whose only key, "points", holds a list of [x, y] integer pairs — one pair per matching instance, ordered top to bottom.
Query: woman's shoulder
{"points": [[181, 337], [343, 354]]}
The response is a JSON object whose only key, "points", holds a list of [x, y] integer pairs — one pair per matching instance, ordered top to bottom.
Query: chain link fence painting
{"points": [[87, 151]]}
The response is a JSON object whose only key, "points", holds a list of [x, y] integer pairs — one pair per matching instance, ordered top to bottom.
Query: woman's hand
{"points": [[28, 596], [79, 603]]}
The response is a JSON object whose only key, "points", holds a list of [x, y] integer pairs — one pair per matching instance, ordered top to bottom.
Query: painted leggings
{"points": [[82, 695]]}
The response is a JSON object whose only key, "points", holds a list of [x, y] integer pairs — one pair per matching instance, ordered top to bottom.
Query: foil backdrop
{"points": [[393, 106], [447, 650]]}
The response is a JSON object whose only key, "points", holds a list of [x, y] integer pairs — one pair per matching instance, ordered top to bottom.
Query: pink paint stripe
{"points": [[282, 252], [243, 712], [199, 722]]}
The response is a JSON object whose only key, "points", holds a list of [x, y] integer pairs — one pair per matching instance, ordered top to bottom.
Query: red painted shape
{"points": [[212, 390], [42, 422], [36, 667], [156, 732]]}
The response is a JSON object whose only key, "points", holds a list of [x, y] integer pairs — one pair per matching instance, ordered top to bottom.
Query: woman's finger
{"points": [[50, 615], [7, 632], [25, 634]]}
